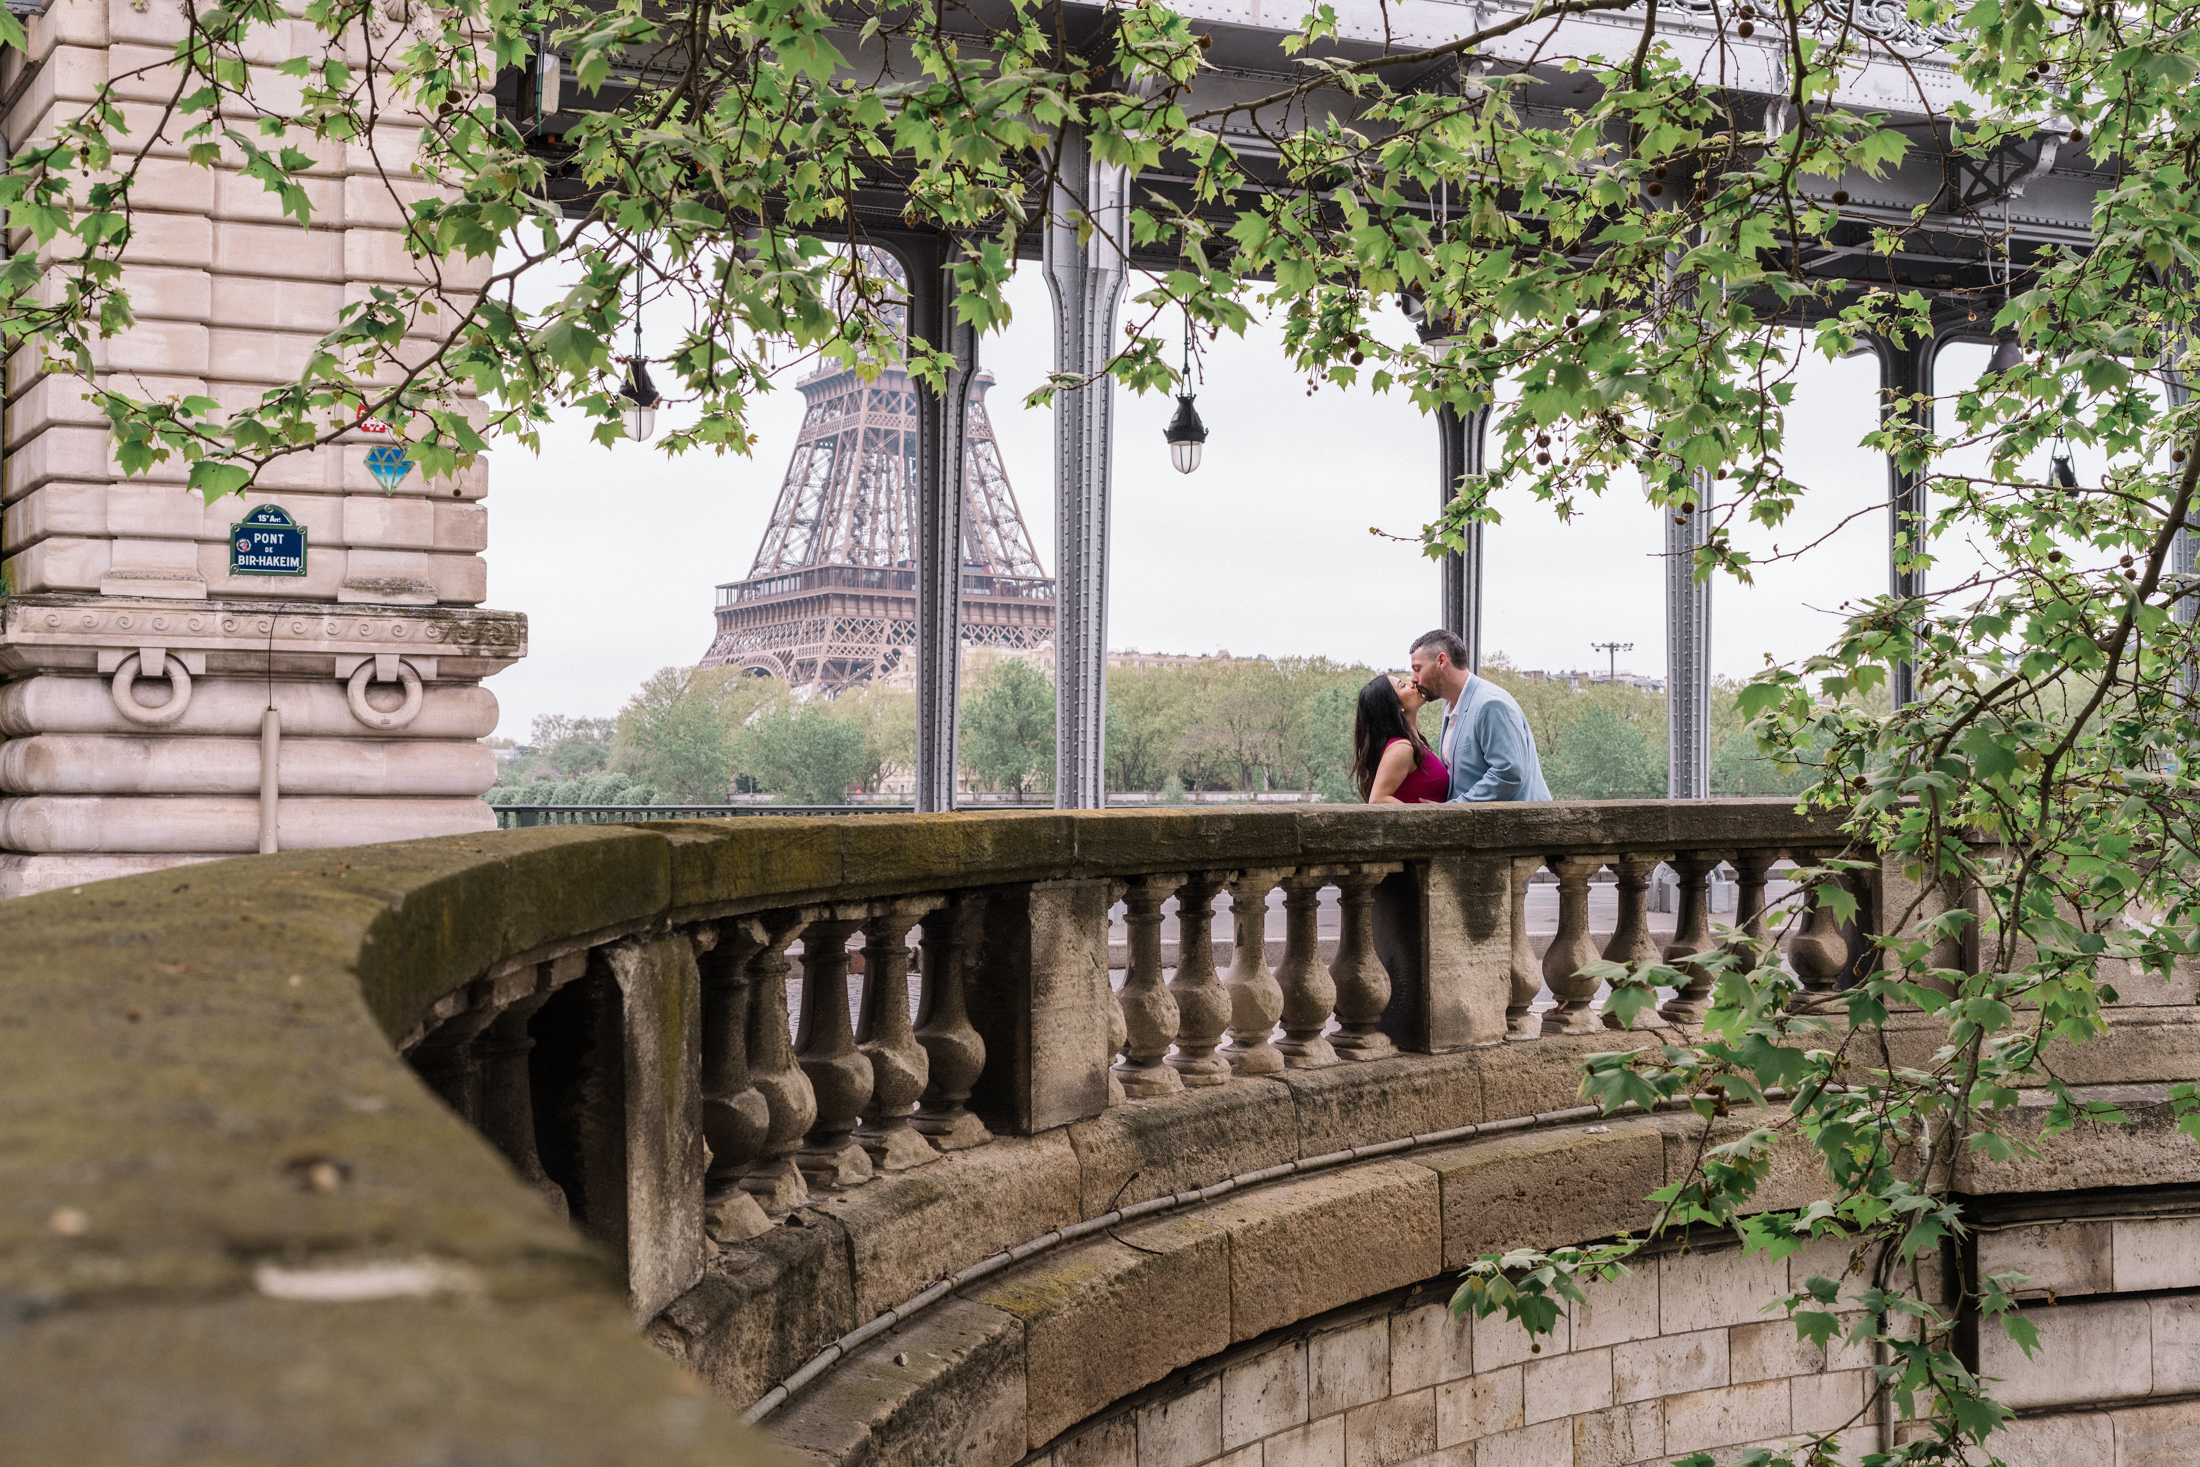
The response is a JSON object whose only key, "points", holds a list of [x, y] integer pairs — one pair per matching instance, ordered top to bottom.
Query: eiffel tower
{"points": [[831, 601]]}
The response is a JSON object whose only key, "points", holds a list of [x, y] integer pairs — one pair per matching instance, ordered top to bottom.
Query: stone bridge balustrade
{"points": [[608, 1007]]}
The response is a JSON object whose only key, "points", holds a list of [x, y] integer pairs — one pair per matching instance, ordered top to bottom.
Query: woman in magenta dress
{"points": [[1391, 762]]}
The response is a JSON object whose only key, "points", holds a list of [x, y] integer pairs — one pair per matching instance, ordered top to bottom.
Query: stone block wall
{"points": [[99, 776], [1680, 1358]]}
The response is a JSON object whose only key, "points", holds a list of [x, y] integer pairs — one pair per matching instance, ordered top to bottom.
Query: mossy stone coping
{"points": [[201, 1113]]}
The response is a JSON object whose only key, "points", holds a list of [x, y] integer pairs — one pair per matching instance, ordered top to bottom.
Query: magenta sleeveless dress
{"points": [[1428, 784]]}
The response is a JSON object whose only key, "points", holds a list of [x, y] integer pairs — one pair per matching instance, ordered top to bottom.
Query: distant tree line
{"points": [[693, 736]]}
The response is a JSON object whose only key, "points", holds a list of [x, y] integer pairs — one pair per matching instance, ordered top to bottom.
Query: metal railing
{"points": [[518, 817]]}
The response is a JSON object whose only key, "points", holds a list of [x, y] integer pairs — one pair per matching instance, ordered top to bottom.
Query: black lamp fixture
{"points": [[2008, 353], [640, 393], [641, 397], [1186, 434], [2059, 464]]}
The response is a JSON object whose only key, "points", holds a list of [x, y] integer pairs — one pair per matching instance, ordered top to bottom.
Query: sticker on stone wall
{"points": [[389, 463], [267, 542]]}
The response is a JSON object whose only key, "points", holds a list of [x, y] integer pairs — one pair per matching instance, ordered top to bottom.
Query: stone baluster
{"points": [[1750, 868], [1691, 936], [1630, 940], [1571, 949], [1818, 953], [1363, 983], [1309, 993], [1256, 999], [1202, 1003], [1148, 1007], [1521, 1022], [825, 1047], [954, 1049], [447, 1061], [901, 1068], [507, 1097], [736, 1118], [775, 1181]]}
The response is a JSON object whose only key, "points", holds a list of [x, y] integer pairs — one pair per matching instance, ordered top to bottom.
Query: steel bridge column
{"points": [[1086, 281], [1904, 371], [1462, 440], [941, 455], [1688, 652]]}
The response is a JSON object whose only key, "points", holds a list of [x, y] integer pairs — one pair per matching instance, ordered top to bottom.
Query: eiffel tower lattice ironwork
{"points": [[831, 601]]}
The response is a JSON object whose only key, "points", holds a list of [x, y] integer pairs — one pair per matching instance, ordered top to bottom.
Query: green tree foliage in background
{"points": [[1623, 283], [1007, 733], [676, 734], [1324, 738], [573, 745], [804, 755], [1604, 757]]}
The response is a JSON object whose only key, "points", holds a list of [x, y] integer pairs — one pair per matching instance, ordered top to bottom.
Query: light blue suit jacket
{"points": [[1493, 755]]}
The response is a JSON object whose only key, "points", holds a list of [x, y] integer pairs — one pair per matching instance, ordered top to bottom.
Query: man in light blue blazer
{"points": [[1486, 744]]}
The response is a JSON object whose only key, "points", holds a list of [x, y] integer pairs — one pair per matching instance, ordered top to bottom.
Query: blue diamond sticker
{"points": [[389, 463]]}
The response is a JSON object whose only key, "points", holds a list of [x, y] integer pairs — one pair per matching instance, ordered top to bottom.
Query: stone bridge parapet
{"points": [[977, 1199]]}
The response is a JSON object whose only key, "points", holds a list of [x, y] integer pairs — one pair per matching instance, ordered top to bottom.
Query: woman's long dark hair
{"points": [[1380, 719]]}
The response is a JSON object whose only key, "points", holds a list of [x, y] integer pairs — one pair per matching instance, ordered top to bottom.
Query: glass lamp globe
{"points": [[641, 401], [1187, 436]]}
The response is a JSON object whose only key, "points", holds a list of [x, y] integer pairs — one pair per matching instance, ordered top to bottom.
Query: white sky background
{"points": [[613, 553]]}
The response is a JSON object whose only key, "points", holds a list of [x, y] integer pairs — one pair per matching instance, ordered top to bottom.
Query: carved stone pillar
{"points": [[1749, 899], [1691, 936], [1630, 941], [1571, 949], [1527, 976], [1363, 984], [1309, 993], [1256, 1001], [1202, 1003], [660, 1007], [1149, 1008], [952, 1046], [825, 1047], [900, 1066], [507, 1099], [735, 1116], [774, 1180]]}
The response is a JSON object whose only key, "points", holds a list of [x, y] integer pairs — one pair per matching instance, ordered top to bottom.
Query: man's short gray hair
{"points": [[1445, 642]]}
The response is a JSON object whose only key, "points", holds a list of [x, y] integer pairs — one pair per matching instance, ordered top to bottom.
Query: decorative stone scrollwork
{"points": [[125, 691], [367, 713]]}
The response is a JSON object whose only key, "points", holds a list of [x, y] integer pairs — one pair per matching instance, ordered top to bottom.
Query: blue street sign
{"points": [[267, 542]]}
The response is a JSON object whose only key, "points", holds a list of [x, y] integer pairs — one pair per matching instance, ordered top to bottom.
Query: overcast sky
{"points": [[613, 554]]}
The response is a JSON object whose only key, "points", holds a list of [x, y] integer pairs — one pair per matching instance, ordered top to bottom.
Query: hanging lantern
{"points": [[2008, 355], [641, 400], [1186, 433], [2059, 464]]}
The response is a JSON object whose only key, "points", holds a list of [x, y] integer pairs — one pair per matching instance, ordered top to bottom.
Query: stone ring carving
{"points": [[125, 691], [372, 717]]}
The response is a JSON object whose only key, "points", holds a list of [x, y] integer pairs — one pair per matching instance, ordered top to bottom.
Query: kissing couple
{"points": [[1485, 751]]}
